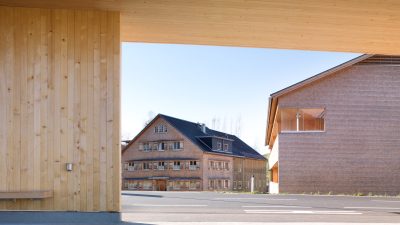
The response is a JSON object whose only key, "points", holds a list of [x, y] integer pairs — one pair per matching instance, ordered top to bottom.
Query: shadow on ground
{"points": [[143, 195], [132, 223]]}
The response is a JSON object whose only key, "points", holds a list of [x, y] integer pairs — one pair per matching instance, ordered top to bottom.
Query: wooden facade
{"points": [[60, 103], [358, 152], [244, 169], [215, 171]]}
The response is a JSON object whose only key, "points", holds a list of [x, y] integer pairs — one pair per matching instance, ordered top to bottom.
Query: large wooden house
{"points": [[171, 154]]}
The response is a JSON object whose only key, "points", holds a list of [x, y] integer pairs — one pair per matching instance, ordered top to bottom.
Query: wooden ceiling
{"points": [[363, 26]]}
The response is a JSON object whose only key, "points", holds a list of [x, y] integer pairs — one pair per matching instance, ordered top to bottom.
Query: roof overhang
{"points": [[347, 25], [274, 98]]}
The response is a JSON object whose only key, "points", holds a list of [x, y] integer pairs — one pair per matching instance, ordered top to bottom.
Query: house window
{"points": [[298, 119], [160, 129], [178, 145], [219, 145], [155, 146], [162, 146], [146, 147], [226, 147], [161, 165], [177, 165], [193, 165], [131, 166], [146, 166], [226, 166], [211, 184], [226, 184], [194, 185], [240, 185]]}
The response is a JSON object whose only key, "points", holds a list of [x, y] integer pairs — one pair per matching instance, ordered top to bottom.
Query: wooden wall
{"points": [[60, 102], [189, 151], [359, 151], [245, 168]]}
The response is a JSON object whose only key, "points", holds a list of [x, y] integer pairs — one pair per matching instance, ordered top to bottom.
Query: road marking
{"points": [[268, 199], [384, 201], [169, 205], [275, 206], [361, 207], [302, 212]]}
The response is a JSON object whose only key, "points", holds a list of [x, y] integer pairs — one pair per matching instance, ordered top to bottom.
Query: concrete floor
{"points": [[227, 208]]}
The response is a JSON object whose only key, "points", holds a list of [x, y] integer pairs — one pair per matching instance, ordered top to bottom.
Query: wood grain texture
{"points": [[370, 26], [54, 72], [359, 151], [26, 195]]}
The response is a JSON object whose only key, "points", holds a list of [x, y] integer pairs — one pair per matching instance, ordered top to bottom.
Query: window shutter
{"points": [[181, 144], [141, 147]]}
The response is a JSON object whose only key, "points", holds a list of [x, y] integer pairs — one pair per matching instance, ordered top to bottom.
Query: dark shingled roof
{"points": [[193, 131]]}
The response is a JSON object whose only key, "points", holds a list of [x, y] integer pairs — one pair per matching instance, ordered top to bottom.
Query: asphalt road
{"points": [[209, 207]]}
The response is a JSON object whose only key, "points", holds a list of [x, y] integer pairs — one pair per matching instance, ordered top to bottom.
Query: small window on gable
{"points": [[161, 128]]}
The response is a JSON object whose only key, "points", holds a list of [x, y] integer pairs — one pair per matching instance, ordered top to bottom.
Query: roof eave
{"points": [[274, 96]]}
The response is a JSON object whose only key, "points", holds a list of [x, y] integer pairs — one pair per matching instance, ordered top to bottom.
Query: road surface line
{"points": [[268, 199], [385, 201], [169, 205], [275, 206], [361, 207], [302, 212]]}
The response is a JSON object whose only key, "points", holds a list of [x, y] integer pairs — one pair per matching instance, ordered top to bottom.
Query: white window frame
{"points": [[160, 129], [164, 146], [161, 165], [177, 165], [193, 165]]}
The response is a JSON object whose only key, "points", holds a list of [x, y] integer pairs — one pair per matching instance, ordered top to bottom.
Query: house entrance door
{"points": [[161, 185]]}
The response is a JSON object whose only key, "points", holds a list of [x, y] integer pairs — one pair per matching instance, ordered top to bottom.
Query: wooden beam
{"points": [[370, 26]]}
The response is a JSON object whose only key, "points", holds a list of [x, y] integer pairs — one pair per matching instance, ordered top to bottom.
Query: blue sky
{"points": [[225, 87]]}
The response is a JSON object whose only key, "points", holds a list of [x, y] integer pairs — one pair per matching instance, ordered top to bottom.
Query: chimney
{"points": [[203, 128]]}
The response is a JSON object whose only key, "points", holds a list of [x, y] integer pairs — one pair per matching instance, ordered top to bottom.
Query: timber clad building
{"points": [[338, 131], [173, 154]]}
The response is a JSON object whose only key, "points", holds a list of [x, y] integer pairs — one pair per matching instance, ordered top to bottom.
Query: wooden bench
{"points": [[13, 195]]}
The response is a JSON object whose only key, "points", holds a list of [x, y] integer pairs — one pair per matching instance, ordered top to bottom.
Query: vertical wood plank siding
{"points": [[60, 103]]}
